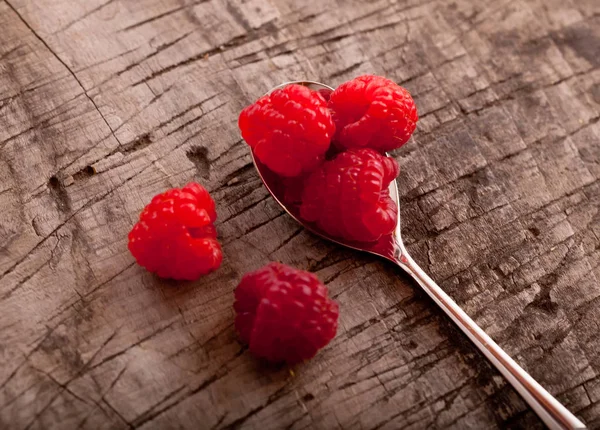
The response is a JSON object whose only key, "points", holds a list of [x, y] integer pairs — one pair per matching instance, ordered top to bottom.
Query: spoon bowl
{"points": [[387, 246], [390, 247]]}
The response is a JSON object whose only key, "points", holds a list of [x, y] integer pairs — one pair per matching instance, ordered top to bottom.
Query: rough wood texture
{"points": [[104, 103]]}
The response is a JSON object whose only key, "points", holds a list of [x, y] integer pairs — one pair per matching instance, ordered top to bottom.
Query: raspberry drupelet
{"points": [[372, 112], [289, 130], [348, 196], [175, 237], [284, 314]]}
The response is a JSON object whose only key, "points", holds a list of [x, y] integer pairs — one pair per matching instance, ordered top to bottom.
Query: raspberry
{"points": [[326, 93], [374, 112], [289, 130], [348, 196], [175, 237], [284, 314]]}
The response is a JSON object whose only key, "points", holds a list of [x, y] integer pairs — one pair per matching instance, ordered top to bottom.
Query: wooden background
{"points": [[104, 103]]}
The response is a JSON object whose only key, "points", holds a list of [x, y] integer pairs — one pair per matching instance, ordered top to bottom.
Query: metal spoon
{"points": [[390, 247]]}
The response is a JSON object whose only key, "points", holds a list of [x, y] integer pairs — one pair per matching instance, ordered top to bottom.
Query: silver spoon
{"points": [[390, 247]]}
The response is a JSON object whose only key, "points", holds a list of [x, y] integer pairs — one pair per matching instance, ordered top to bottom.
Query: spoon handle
{"points": [[554, 414]]}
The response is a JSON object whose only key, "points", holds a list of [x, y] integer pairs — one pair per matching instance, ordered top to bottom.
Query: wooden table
{"points": [[104, 103]]}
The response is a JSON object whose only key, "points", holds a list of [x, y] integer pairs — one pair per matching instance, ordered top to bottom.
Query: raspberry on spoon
{"points": [[372, 112], [289, 130], [348, 196]]}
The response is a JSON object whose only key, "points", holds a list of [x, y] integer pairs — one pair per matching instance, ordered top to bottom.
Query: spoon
{"points": [[391, 247]]}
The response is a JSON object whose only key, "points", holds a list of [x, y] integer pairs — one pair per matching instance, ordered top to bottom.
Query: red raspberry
{"points": [[374, 112], [289, 130], [348, 196], [175, 237], [284, 314]]}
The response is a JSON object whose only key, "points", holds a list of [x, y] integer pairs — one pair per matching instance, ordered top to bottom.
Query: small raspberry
{"points": [[374, 112], [289, 130], [348, 196], [175, 237], [284, 314]]}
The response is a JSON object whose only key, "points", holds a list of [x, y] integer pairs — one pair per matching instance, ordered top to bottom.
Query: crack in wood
{"points": [[84, 16], [160, 16], [63, 63]]}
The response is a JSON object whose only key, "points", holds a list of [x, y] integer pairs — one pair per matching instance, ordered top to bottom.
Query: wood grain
{"points": [[104, 103]]}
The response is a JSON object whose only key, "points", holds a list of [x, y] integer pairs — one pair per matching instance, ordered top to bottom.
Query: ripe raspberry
{"points": [[374, 112], [289, 130], [348, 196], [175, 237], [284, 314]]}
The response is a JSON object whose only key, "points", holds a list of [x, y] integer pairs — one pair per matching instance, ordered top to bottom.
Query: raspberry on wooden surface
{"points": [[372, 112], [289, 130], [348, 196], [175, 237], [284, 314]]}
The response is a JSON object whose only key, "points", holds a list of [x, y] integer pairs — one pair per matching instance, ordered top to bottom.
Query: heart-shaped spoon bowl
{"points": [[388, 246]]}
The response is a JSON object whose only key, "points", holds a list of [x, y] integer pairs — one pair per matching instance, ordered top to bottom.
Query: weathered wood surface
{"points": [[104, 103]]}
